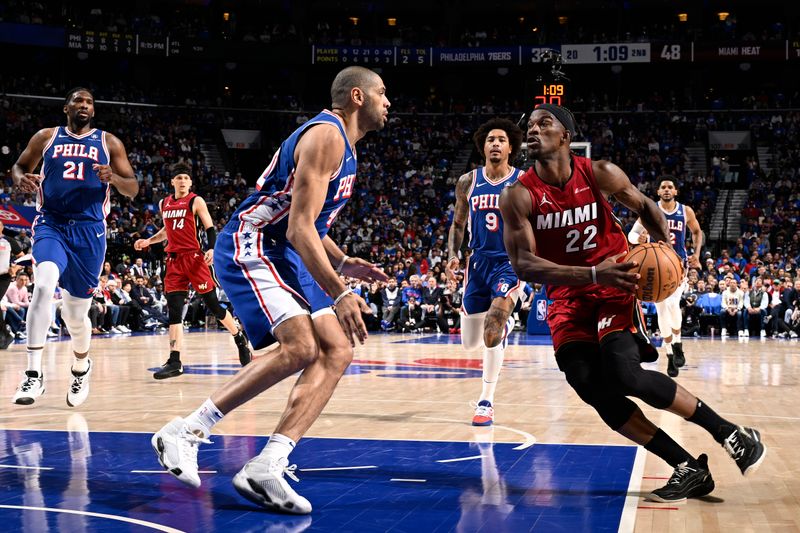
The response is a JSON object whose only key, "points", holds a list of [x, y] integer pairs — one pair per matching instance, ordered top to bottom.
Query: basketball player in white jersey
{"points": [[679, 218]]}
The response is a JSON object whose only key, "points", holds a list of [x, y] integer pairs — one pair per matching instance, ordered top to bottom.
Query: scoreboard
{"points": [[101, 41], [134, 44]]}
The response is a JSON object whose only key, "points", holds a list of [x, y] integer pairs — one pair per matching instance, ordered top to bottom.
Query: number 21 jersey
{"points": [[70, 188], [573, 225]]}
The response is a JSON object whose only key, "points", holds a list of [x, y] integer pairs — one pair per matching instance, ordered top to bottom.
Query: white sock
{"points": [[676, 337], [668, 346], [35, 360], [492, 363], [80, 365], [204, 418], [278, 447]]}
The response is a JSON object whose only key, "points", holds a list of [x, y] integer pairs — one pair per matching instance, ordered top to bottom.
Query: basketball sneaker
{"points": [[677, 351], [245, 355], [672, 367], [170, 369], [31, 387], [79, 388], [484, 414], [176, 447], [745, 447], [261, 481], [686, 482]]}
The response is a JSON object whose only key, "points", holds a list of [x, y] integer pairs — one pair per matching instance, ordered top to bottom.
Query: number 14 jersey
{"points": [[573, 225]]}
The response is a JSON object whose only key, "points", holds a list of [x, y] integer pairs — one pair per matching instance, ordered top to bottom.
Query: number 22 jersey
{"points": [[573, 225]]}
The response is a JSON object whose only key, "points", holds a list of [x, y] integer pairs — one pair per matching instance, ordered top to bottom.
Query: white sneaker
{"points": [[123, 328], [115, 330], [724, 333], [741, 333], [763, 334], [792, 335], [30, 388], [79, 388], [176, 447], [261, 481]]}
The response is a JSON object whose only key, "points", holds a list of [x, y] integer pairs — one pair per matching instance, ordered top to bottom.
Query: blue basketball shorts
{"points": [[78, 248], [487, 278], [266, 282]]}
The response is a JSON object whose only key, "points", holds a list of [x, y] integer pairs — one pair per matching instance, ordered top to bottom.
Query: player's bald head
{"points": [[347, 80]]}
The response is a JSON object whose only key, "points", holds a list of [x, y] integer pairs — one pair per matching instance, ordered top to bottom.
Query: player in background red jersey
{"points": [[560, 231], [186, 263]]}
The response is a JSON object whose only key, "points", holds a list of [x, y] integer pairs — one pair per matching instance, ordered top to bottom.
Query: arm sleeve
{"points": [[635, 233]]}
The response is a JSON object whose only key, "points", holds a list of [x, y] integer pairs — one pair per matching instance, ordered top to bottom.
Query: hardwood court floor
{"points": [[418, 388]]}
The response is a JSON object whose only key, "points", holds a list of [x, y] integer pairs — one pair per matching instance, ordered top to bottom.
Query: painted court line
{"points": [[530, 440], [460, 459], [20, 467], [336, 468], [165, 472], [408, 480], [628, 519], [151, 525]]}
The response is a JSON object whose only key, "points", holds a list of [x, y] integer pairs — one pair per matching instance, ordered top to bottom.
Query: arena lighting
{"points": [[723, 15], [226, 16], [683, 17], [354, 20], [521, 20], [563, 20], [391, 21], [535, 29]]}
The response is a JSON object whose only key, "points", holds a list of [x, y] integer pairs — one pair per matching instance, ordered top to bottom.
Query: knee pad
{"points": [[175, 301], [212, 302], [472, 330], [622, 367]]}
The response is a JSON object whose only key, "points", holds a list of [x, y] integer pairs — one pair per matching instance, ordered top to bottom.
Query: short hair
{"points": [[346, 80], [74, 90], [513, 132], [181, 168], [667, 177]]}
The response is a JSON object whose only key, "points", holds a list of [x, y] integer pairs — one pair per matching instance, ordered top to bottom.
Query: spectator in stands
{"points": [[431, 296], [119, 299], [392, 302], [756, 302], [15, 303], [732, 304], [411, 315], [449, 316]]}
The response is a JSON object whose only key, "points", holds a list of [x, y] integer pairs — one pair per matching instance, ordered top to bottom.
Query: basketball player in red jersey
{"points": [[560, 231], [186, 263]]}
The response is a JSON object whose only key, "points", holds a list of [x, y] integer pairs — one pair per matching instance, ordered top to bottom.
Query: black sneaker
{"points": [[6, 339], [677, 351], [245, 355], [672, 368], [170, 369], [745, 447], [686, 482]]}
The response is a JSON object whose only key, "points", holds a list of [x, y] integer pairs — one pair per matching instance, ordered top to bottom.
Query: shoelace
{"points": [[77, 383], [27, 385], [483, 410], [190, 443], [734, 446], [282, 466], [681, 472]]}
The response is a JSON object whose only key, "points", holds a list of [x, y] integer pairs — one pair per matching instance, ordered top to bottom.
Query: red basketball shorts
{"points": [[186, 268]]}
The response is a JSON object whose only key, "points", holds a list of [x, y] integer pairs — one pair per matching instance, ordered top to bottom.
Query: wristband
{"points": [[211, 234], [341, 264], [594, 274], [345, 292]]}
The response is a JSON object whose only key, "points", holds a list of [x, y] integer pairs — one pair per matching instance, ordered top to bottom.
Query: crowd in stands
{"points": [[354, 27], [399, 215]]}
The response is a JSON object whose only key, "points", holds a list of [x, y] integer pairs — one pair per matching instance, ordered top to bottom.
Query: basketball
{"points": [[660, 269]]}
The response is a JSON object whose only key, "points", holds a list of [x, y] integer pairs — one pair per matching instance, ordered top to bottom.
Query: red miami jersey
{"points": [[180, 223], [573, 225]]}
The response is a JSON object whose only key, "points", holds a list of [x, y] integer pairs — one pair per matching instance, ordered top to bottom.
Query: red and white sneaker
{"points": [[484, 414]]}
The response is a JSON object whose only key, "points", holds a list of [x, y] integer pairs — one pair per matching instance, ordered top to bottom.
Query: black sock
{"points": [[174, 355], [706, 418], [663, 446]]}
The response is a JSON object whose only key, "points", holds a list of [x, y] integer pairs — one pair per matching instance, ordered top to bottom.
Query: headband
{"points": [[562, 114]]}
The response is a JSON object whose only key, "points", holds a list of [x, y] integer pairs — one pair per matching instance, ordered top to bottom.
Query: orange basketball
{"points": [[660, 269]]}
